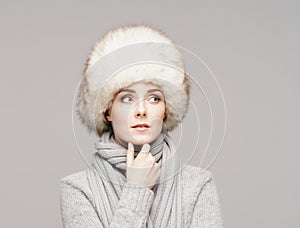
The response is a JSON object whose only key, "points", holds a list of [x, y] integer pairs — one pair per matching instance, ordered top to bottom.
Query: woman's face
{"points": [[138, 104]]}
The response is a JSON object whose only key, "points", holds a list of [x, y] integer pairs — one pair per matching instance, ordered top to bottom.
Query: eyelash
{"points": [[154, 96]]}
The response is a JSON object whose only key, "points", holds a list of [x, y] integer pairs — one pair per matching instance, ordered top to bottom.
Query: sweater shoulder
{"points": [[193, 175], [74, 177], [77, 180]]}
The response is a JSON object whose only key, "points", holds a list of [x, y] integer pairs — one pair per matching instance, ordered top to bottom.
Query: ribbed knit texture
{"points": [[107, 177], [200, 202]]}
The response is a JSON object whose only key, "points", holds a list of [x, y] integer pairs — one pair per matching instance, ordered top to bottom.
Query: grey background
{"points": [[251, 46]]}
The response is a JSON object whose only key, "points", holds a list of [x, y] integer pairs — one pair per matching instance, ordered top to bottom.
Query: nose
{"points": [[140, 110]]}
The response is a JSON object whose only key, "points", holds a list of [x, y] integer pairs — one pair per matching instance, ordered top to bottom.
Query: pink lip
{"points": [[141, 126], [141, 129]]}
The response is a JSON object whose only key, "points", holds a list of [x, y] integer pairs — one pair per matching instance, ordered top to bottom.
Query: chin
{"points": [[142, 139]]}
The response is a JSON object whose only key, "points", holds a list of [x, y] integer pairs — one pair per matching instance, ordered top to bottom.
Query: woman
{"points": [[135, 179]]}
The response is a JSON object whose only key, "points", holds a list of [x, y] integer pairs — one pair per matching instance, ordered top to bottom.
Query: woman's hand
{"points": [[143, 170]]}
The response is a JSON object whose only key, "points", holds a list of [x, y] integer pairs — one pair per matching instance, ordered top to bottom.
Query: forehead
{"points": [[142, 85]]}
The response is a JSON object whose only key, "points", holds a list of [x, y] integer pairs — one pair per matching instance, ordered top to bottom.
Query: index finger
{"points": [[145, 149], [130, 154]]}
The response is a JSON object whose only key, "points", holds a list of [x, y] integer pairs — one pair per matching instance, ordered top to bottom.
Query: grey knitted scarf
{"points": [[107, 175]]}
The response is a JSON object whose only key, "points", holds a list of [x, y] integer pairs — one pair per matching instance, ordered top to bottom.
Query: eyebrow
{"points": [[132, 91]]}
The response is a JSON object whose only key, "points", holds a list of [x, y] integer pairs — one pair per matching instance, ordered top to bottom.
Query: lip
{"points": [[141, 127]]}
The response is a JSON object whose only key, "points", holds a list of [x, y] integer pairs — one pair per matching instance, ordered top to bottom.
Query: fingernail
{"points": [[130, 146], [145, 148]]}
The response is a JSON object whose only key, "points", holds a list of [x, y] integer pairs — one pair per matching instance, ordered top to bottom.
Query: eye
{"points": [[126, 98], [155, 98]]}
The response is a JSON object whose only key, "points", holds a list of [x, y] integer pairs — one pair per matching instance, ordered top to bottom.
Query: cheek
{"points": [[158, 112], [120, 114]]}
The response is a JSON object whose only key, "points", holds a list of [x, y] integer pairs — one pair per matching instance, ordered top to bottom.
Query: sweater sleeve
{"points": [[78, 211], [207, 212]]}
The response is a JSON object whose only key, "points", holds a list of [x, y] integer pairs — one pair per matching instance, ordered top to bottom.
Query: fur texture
{"points": [[126, 55]]}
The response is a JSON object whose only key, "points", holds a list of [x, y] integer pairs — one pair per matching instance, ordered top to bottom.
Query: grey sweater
{"points": [[200, 202]]}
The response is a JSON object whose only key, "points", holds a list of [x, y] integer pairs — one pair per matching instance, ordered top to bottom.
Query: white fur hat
{"points": [[126, 55]]}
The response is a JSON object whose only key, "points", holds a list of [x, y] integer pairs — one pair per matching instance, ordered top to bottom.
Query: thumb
{"points": [[130, 154]]}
